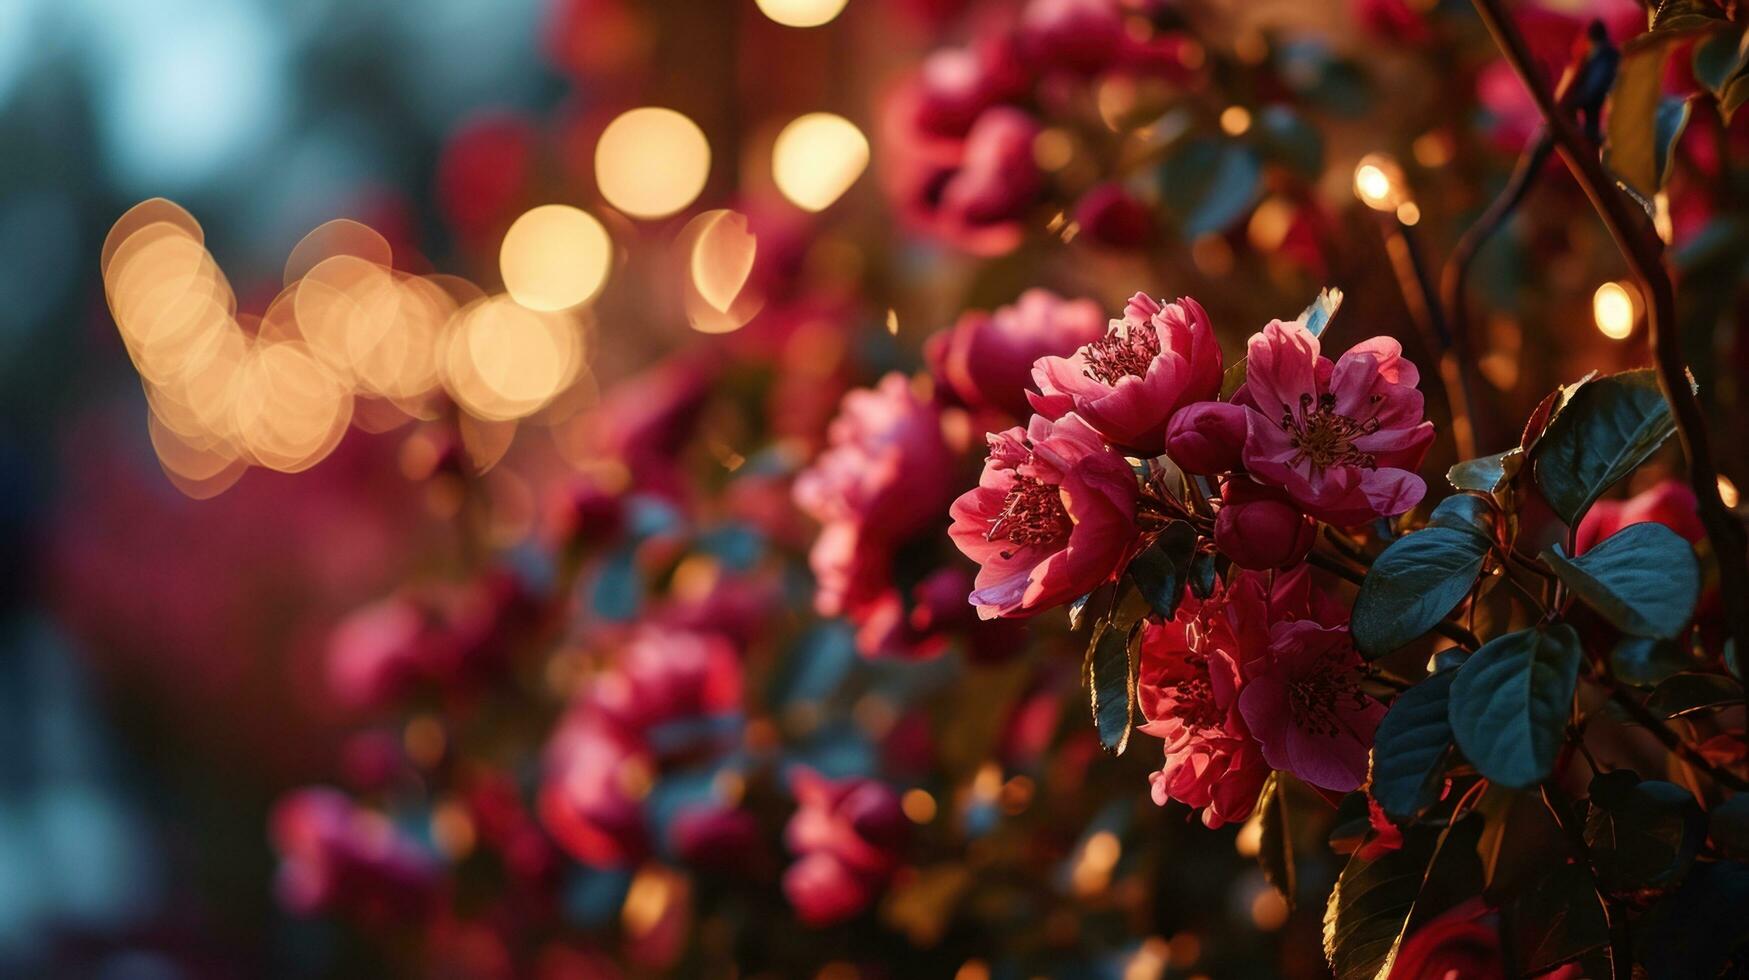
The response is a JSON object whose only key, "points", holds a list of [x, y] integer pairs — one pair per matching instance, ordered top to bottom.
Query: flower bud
{"points": [[1207, 437], [1259, 528]]}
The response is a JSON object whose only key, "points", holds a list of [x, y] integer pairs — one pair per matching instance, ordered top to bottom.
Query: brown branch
{"points": [[1639, 243], [1628, 700]]}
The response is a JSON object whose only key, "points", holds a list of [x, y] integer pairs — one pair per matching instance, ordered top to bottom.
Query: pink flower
{"points": [[1080, 36], [954, 86], [972, 193], [1110, 215], [986, 358], [1129, 383], [1207, 437], [1343, 440], [882, 478], [1670, 503], [1052, 517], [1259, 527], [665, 677], [1302, 702], [591, 795], [712, 835], [848, 836], [335, 855], [1463, 942]]}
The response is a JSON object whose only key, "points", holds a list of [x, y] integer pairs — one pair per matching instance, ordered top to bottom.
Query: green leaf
{"points": [[1673, 16], [1720, 56], [1735, 94], [1670, 119], [1631, 130], [1284, 135], [1209, 184], [1233, 377], [1610, 426], [1487, 474], [1467, 512], [1161, 572], [1202, 574], [1644, 579], [1413, 584], [1643, 661], [1110, 674], [1687, 693], [1510, 701], [1410, 747], [1728, 826], [1642, 834], [1275, 848], [1374, 903], [1556, 920]]}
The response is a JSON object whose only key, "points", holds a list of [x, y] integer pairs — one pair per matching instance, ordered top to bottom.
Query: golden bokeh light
{"points": [[802, 13], [1235, 120], [816, 158], [652, 162], [1379, 183], [341, 236], [719, 251], [555, 257], [1614, 307], [505, 361], [291, 409], [1728, 494]]}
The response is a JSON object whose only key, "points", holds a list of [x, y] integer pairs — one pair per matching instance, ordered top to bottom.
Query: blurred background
{"points": [[162, 677]]}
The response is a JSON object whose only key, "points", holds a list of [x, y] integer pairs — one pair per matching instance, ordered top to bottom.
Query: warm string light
{"points": [[802, 13], [816, 158], [652, 162], [1379, 183], [718, 250], [554, 257], [1614, 307]]}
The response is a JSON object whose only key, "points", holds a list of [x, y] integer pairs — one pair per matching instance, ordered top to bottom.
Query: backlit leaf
{"points": [[1610, 426], [1644, 579], [1510, 701]]}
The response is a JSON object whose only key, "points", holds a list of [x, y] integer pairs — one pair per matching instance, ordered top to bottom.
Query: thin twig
{"points": [[1639, 243], [1628, 701], [1621, 965]]}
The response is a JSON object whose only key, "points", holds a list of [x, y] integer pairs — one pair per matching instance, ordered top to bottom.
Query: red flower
{"points": [[1071, 35], [1110, 215], [986, 358], [1129, 383], [1207, 437], [1343, 440], [882, 479], [1670, 503], [1052, 517], [1303, 703], [592, 792], [848, 836], [336, 855]]}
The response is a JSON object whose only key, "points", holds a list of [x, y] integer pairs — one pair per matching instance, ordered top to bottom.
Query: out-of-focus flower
{"points": [[1393, 19], [1553, 33], [1071, 35], [484, 173], [972, 192], [1110, 215], [986, 359], [1152, 362], [646, 420], [1207, 437], [1343, 440], [883, 478], [1670, 502], [582, 514], [1052, 517], [1259, 527], [936, 613], [445, 638], [663, 683], [1303, 703], [591, 794], [716, 836], [848, 836], [335, 856], [1461, 942]]}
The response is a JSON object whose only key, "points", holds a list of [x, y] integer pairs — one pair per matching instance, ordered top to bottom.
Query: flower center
{"points": [[1121, 353], [1325, 437], [1032, 513], [1194, 697], [1314, 698]]}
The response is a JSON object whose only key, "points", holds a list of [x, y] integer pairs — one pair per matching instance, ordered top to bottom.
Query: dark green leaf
{"points": [[1718, 57], [1735, 94], [1667, 126], [1287, 137], [1631, 149], [1209, 184], [1233, 377], [1610, 426], [1488, 473], [1467, 512], [1162, 571], [1202, 574], [1643, 578], [1412, 585], [1642, 661], [1110, 673], [1682, 694], [1510, 701], [1410, 747], [1728, 826], [1642, 834], [1275, 849], [1374, 903], [1556, 920], [1693, 932]]}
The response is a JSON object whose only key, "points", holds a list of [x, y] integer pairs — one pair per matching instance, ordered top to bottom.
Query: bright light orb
{"points": [[802, 13], [816, 158], [652, 162], [1378, 182], [554, 257], [1612, 306]]}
